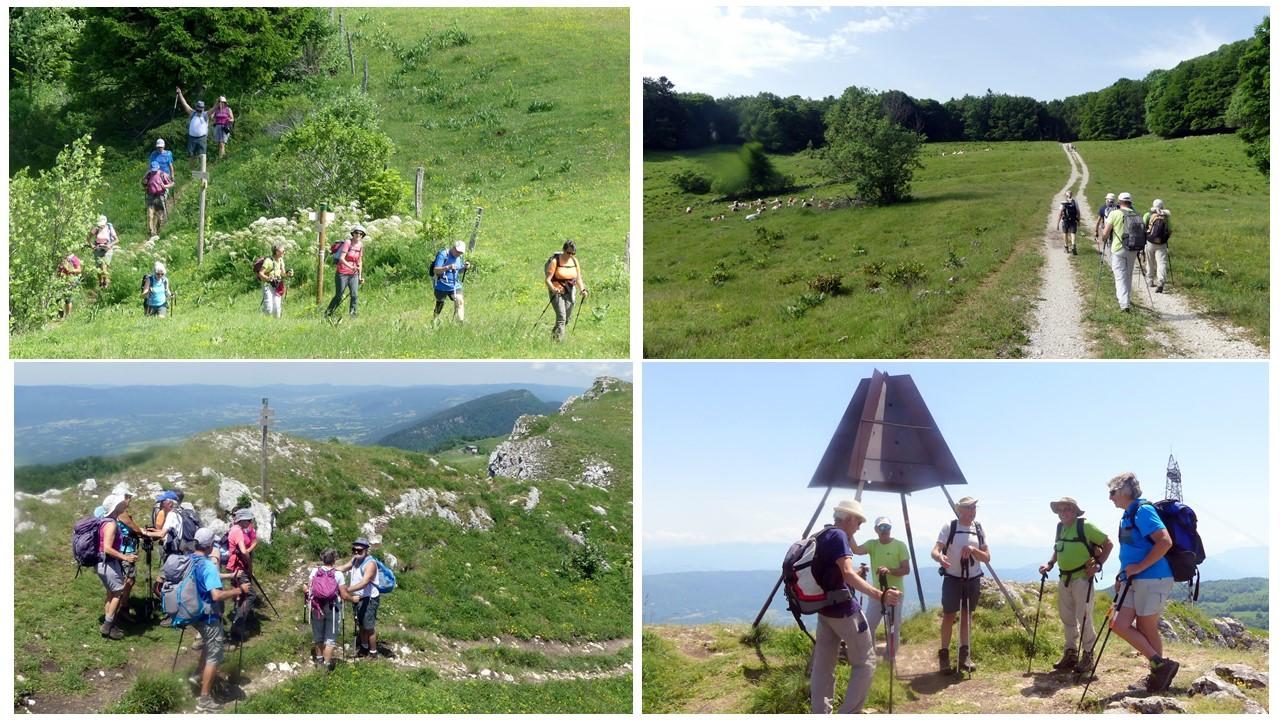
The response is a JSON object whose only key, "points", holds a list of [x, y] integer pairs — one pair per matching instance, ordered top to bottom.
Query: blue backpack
{"points": [[1188, 550], [384, 579], [180, 593]]}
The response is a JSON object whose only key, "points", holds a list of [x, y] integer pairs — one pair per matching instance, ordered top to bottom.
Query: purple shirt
{"points": [[832, 545]]}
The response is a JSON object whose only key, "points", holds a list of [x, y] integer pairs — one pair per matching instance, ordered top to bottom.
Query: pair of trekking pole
{"points": [[887, 612], [966, 614], [1109, 621], [1031, 652]]}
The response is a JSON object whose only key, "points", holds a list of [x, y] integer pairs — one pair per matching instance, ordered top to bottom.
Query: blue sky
{"points": [[927, 52], [253, 374], [729, 447]]}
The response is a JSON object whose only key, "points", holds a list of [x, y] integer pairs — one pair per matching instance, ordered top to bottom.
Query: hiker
{"points": [[223, 119], [197, 128], [165, 159], [156, 184], [1101, 220], [1069, 221], [1159, 228], [1125, 234], [103, 240], [348, 258], [445, 269], [69, 271], [271, 273], [564, 278], [156, 293], [166, 527], [130, 534], [242, 540], [1144, 540], [961, 545], [1079, 550], [888, 557], [110, 569], [325, 590], [362, 591], [843, 621], [209, 625]]}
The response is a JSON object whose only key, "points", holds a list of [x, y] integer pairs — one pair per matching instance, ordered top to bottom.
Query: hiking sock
{"points": [[1155, 661]]}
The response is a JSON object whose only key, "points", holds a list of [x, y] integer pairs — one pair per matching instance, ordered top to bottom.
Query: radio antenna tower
{"points": [[1173, 481]]}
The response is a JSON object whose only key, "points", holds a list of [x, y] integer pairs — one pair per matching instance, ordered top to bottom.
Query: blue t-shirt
{"points": [[164, 158], [1106, 210], [447, 281], [159, 292], [1135, 540], [128, 541], [832, 545], [207, 580]]}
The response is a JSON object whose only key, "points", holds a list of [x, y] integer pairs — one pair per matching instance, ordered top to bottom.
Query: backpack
{"points": [[154, 182], [1070, 212], [1159, 232], [1134, 234], [98, 244], [338, 250], [553, 261], [257, 265], [951, 536], [184, 540], [86, 541], [1093, 548], [1188, 550], [384, 579], [324, 591], [180, 593], [804, 595]]}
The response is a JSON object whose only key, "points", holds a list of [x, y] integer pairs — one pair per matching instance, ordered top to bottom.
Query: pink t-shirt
{"points": [[239, 539]]}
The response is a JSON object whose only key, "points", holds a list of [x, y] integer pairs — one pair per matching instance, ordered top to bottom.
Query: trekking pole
{"points": [[1142, 266], [579, 313], [538, 322], [258, 585], [151, 588], [1039, 603], [966, 610], [343, 611], [886, 613], [1110, 620], [179, 650]]}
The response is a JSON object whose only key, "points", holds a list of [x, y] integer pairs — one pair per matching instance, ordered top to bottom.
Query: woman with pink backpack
{"points": [[325, 588]]}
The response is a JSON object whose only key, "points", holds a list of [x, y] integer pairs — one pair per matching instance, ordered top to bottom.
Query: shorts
{"points": [[221, 133], [197, 145], [155, 202], [1069, 227], [102, 258], [442, 295], [161, 310], [130, 570], [111, 575], [953, 588], [1147, 597], [367, 613], [324, 629], [212, 639]]}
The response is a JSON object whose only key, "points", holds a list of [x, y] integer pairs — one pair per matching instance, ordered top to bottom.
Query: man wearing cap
{"points": [[223, 119], [197, 128], [1103, 212], [1069, 221], [1159, 228], [103, 240], [1123, 259], [348, 271], [447, 285], [242, 540], [961, 547], [1079, 550], [889, 558], [111, 569], [209, 589], [365, 591], [844, 620]]}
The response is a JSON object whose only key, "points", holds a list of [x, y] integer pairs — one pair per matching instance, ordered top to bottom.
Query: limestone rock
{"points": [[1242, 674]]}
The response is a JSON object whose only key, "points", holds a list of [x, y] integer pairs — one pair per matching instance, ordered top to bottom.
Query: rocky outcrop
{"points": [[603, 384], [521, 456], [596, 472], [230, 491], [428, 502], [1242, 675], [1214, 687], [1154, 705]]}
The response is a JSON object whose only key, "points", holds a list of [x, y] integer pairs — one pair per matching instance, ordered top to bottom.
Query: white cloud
{"points": [[1161, 56]]}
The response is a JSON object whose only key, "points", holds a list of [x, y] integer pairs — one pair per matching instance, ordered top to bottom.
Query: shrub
{"points": [[541, 106], [754, 174], [692, 182], [383, 194], [954, 261], [719, 274], [908, 274], [827, 284], [587, 560], [150, 695]]}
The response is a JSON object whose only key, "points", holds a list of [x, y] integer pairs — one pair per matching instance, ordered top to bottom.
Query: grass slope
{"points": [[529, 119], [1220, 250], [962, 255], [474, 419], [457, 587]]}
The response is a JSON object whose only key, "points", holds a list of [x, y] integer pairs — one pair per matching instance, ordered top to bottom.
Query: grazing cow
{"points": [[753, 216]]}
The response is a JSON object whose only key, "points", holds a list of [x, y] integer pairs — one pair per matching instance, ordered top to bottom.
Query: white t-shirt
{"points": [[199, 125], [965, 535], [357, 574]]}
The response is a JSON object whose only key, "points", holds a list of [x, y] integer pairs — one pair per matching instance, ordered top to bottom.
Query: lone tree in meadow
{"points": [[865, 146]]}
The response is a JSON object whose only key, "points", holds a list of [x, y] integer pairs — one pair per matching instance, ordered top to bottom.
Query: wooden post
{"points": [[342, 27], [351, 57], [364, 83], [203, 177], [417, 192], [320, 252], [626, 255], [265, 419]]}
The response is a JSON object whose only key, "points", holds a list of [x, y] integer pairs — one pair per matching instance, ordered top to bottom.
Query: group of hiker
{"points": [[1124, 240], [201, 571], [820, 577]]}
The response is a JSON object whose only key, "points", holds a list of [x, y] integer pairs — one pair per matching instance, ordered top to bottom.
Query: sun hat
{"points": [[222, 98], [160, 142], [155, 166], [1111, 196], [1157, 204], [102, 221], [358, 228], [460, 246], [159, 268], [967, 501], [112, 502], [1057, 506], [850, 507], [243, 514], [363, 542]]}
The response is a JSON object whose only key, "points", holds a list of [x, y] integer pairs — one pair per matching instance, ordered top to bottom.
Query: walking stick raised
{"points": [[471, 247]]}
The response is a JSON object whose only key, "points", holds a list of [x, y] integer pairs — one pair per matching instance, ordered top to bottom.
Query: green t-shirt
{"points": [[1116, 221], [888, 555], [1072, 555]]}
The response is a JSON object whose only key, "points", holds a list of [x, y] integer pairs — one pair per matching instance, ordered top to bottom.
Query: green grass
{"points": [[463, 113], [1219, 253], [720, 289], [453, 584]]}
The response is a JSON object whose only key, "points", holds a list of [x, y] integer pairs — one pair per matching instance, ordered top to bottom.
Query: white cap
{"points": [[222, 98], [160, 142], [1111, 196], [1125, 197], [1157, 204], [102, 221], [459, 246], [882, 521]]}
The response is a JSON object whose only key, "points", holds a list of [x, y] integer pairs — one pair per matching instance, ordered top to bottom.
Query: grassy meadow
{"points": [[523, 111], [948, 274]]}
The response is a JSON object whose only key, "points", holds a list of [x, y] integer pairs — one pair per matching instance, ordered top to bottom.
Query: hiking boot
{"points": [[1073, 250], [1159, 288], [1124, 309], [167, 621], [111, 632], [1068, 660], [944, 661], [964, 663], [331, 665], [1085, 666], [1162, 676], [207, 704]]}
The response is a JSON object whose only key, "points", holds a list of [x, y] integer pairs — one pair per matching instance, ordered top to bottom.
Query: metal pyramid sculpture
{"points": [[887, 441]]}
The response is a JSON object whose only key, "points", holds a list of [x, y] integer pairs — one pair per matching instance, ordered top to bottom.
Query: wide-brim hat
{"points": [[967, 501], [112, 503], [1057, 506], [850, 507], [242, 515]]}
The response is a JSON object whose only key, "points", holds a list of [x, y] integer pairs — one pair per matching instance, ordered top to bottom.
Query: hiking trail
{"points": [[1059, 329]]}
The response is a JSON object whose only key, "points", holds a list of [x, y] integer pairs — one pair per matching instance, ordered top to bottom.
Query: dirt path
{"points": [[1058, 328]]}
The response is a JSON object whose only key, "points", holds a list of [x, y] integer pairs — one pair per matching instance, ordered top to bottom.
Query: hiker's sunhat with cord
{"points": [[1058, 505]]}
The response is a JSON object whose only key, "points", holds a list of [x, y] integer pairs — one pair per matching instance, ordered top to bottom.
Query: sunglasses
{"points": [[1113, 493], [358, 550]]}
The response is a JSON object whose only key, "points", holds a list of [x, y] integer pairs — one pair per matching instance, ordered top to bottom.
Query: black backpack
{"points": [[1070, 212], [1133, 233], [1158, 233], [184, 541], [1093, 548]]}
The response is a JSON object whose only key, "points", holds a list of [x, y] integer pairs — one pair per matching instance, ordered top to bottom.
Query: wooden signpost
{"points": [[322, 220], [264, 420]]}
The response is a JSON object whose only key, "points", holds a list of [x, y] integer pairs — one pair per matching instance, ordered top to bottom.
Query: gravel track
{"points": [[1058, 330]]}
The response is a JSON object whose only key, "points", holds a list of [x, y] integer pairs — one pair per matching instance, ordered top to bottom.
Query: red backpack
{"points": [[324, 591]]}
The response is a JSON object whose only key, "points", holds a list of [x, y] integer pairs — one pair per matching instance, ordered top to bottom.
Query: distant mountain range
{"points": [[483, 417], [54, 423]]}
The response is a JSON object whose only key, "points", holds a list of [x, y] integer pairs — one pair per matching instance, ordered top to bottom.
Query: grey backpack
{"points": [[1134, 233], [179, 591]]}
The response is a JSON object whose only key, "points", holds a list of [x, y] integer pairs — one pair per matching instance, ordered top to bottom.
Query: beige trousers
{"points": [[1075, 603]]}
